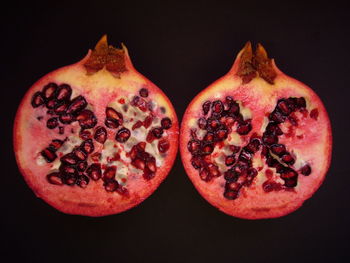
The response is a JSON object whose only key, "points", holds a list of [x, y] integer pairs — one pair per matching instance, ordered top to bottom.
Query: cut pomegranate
{"points": [[79, 135], [256, 143]]}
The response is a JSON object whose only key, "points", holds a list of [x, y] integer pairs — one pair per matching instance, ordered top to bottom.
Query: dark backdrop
{"points": [[182, 47]]}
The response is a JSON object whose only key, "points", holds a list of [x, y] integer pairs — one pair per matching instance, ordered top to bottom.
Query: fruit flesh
{"points": [[102, 88], [310, 142]]}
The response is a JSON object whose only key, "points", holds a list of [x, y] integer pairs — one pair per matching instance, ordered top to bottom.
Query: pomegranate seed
{"points": [[49, 90], [64, 92], [143, 92], [37, 99], [301, 102], [51, 103], [76, 105], [217, 106], [283, 106], [206, 107], [60, 108], [113, 114], [314, 114], [277, 116], [66, 118], [86, 119], [147, 121], [52, 123], [112, 123], [166, 123], [202, 123], [213, 124], [137, 125], [244, 127], [273, 128], [61, 130], [157, 132], [85, 134], [100, 134], [221, 134], [122, 135], [209, 137], [270, 138], [55, 144], [163, 145], [87, 146], [253, 146], [207, 149], [234, 149], [278, 149], [80, 154], [49, 155], [245, 156], [69, 158], [287, 158], [230, 160], [196, 162], [139, 164], [151, 165], [81, 166], [213, 170], [305, 170], [94, 171], [109, 173], [288, 173], [204, 175], [230, 176], [54, 178], [82, 181], [291, 182], [111, 185], [234, 186], [269, 186], [122, 190], [231, 195]]}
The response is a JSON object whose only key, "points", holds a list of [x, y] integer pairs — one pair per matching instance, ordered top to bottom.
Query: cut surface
{"points": [[75, 133], [256, 143]]}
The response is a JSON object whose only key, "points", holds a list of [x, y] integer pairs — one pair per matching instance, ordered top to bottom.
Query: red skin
{"points": [[99, 89], [261, 97]]}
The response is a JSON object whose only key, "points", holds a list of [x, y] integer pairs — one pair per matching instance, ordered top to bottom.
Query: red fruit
{"points": [[75, 123], [282, 132]]}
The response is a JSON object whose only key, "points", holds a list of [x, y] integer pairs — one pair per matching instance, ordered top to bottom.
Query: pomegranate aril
{"points": [[49, 90], [64, 92], [143, 92], [37, 99], [301, 102], [51, 103], [76, 105], [217, 106], [283, 106], [206, 107], [60, 108], [113, 114], [314, 114], [277, 116], [66, 118], [86, 119], [147, 121], [52, 123], [112, 123], [166, 123], [202, 123], [213, 124], [137, 125], [244, 127], [273, 128], [61, 130], [157, 132], [85, 134], [100, 134], [221, 134], [122, 135], [209, 137], [270, 139], [55, 144], [163, 145], [87, 146], [253, 146], [207, 148], [234, 149], [278, 149], [80, 154], [49, 155], [245, 156], [69, 158], [287, 158], [230, 160], [196, 162], [139, 164], [151, 165], [81, 166], [213, 170], [305, 170], [94, 171], [109, 173], [288, 173], [251, 174], [148, 175], [204, 175], [231, 176], [54, 178], [70, 179], [82, 181], [291, 182], [111, 185], [269, 186], [122, 190], [230, 194]]}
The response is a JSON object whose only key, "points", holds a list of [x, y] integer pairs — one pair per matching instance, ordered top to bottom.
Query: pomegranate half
{"points": [[96, 137], [256, 143]]}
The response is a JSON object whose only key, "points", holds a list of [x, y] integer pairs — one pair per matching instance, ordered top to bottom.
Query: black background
{"points": [[181, 47]]}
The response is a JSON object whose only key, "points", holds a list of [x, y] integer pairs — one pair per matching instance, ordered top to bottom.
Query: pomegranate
{"points": [[76, 140], [256, 143]]}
